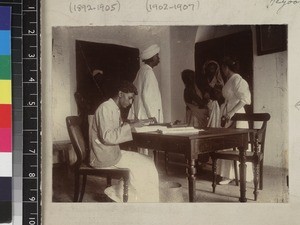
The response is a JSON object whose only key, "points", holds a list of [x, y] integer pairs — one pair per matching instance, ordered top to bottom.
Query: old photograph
{"points": [[169, 114]]}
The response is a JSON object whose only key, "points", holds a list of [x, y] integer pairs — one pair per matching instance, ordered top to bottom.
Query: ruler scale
{"points": [[31, 113]]}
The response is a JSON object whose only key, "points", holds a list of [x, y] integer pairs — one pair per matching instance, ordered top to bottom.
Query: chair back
{"points": [[260, 133], [77, 139]]}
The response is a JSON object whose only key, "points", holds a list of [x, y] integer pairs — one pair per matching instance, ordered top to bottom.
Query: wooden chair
{"points": [[255, 156], [81, 166]]}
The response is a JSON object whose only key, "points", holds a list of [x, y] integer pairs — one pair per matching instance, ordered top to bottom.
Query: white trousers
{"points": [[226, 167], [143, 179]]}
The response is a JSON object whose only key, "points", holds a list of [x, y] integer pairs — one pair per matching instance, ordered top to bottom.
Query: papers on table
{"points": [[148, 128], [166, 130], [181, 130]]}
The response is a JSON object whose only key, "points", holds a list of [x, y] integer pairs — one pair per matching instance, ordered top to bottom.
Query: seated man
{"points": [[106, 133]]}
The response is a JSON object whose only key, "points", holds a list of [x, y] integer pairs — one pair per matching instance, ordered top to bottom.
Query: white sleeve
{"points": [[241, 90], [108, 132]]}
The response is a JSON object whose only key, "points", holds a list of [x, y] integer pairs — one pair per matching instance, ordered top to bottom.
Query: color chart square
{"points": [[5, 18], [5, 42], [5, 67], [5, 92], [5, 116], [6, 140], [5, 164], [5, 189], [6, 212]]}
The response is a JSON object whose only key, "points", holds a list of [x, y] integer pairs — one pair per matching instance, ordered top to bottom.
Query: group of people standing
{"points": [[221, 97], [204, 108]]}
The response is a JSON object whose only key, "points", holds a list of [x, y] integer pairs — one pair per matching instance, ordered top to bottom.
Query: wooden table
{"points": [[191, 145]]}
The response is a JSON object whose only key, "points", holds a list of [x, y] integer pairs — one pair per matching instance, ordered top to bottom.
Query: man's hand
{"points": [[152, 120], [138, 123]]}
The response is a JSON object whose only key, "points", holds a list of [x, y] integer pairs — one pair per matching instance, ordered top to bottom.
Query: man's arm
{"points": [[108, 128]]}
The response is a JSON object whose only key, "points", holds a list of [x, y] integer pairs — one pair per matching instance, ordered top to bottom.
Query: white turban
{"points": [[150, 52]]}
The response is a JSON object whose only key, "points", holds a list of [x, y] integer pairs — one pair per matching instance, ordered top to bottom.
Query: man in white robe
{"points": [[148, 103], [107, 131]]}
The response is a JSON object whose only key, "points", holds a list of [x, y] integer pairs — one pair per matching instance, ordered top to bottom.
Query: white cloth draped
{"points": [[217, 78], [214, 114]]}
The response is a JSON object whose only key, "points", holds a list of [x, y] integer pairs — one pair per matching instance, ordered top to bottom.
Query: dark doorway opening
{"points": [[98, 68]]}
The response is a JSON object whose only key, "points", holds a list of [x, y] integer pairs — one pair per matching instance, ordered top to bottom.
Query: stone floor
{"points": [[275, 186]]}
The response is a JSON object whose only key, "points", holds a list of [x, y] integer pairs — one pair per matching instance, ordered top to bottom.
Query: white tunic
{"points": [[235, 89], [148, 101], [106, 133]]}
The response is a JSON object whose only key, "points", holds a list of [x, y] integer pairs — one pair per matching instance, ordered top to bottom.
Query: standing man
{"points": [[148, 102], [107, 131]]}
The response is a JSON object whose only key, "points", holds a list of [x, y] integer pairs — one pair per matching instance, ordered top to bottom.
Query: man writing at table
{"points": [[106, 133]]}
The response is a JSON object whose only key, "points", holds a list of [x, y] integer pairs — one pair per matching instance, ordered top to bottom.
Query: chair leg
{"points": [[166, 162], [214, 168], [236, 173], [256, 174], [261, 175], [76, 187], [82, 188], [125, 190]]}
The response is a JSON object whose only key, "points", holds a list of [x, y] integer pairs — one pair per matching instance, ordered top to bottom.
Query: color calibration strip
{"points": [[5, 116]]}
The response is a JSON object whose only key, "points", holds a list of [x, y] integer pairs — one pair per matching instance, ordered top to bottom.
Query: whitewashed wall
{"points": [[182, 57], [271, 96]]}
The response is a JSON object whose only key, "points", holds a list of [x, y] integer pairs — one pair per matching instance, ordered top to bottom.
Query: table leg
{"points": [[214, 166], [243, 168], [191, 171], [125, 189]]}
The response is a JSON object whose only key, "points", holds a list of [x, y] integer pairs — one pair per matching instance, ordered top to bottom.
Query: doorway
{"points": [[238, 45], [99, 67]]}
